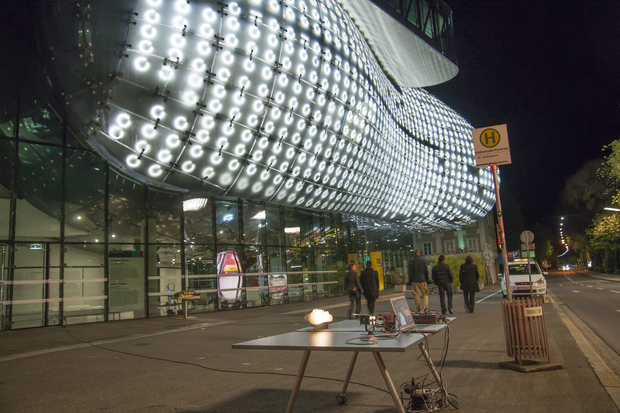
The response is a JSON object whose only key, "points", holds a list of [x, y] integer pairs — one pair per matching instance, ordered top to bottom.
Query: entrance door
{"points": [[4, 276]]}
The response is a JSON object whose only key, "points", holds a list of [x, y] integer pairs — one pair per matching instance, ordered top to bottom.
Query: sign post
{"points": [[492, 148], [527, 237]]}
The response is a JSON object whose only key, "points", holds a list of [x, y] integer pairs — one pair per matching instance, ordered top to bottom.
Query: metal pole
{"points": [[503, 234], [529, 268]]}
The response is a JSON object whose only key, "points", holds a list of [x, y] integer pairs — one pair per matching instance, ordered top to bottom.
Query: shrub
{"points": [[455, 265], [398, 276]]}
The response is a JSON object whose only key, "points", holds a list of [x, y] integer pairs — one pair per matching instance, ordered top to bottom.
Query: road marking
{"points": [[561, 285], [589, 286], [599, 288], [575, 291], [614, 291], [490, 295], [618, 311]]}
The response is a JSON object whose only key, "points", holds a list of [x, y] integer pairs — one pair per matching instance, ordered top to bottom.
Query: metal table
{"points": [[338, 337]]}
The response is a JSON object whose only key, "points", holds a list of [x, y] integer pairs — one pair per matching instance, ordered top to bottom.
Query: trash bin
{"points": [[525, 330]]}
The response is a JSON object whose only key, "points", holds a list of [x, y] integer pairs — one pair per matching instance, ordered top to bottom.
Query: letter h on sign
{"points": [[490, 138]]}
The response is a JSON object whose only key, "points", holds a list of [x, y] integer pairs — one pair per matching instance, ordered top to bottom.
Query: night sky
{"points": [[550, 70]]}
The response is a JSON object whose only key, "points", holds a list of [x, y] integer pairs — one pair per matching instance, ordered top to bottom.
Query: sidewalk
{"points": [[606, 277], [176, 365]]}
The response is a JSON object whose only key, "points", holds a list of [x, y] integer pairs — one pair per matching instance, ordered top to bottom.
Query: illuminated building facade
{"points": [[156, 135]]}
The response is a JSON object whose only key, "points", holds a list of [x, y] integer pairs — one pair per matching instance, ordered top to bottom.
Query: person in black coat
{"points": [[443, 277], [469, 277], [369, 279], [354, 288]]}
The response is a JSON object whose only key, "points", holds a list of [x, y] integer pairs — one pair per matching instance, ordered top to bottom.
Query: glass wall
{"points": [[81, 241]]}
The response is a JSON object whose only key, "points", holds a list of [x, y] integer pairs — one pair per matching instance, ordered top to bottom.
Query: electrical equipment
{"points": [[428, 318], [388, 321], [420, 400]]}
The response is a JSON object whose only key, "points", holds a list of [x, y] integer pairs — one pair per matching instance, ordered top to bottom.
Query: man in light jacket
{"points": [[418, 276]]}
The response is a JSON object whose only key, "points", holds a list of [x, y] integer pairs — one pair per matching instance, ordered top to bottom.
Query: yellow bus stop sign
{"points": [[491, 146]]}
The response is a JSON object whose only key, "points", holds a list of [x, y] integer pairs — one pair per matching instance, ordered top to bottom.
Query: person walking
{"points": [[418, 276], [442, 277], [469, 278], [369, 279], [353, 286]]}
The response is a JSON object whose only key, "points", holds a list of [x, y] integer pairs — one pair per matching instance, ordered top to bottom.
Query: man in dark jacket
{"points": [[418, 276], [443, 277], [469, 278], [369, 279], [354, 288]]}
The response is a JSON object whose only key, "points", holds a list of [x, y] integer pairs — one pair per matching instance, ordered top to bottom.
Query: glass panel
{"points": [[39, 121], [6, 166], [39, 180], [85, 204], [126, 208], [165, 209], [198, 216], [227, 222], [254, 222], [292, 227], [274, 228], [358, 239], [294, 259], [200, 261], [253, 262], [168, 268], [4, 276], [277, 279], [126, 281], [29, 286], [84, 287]]}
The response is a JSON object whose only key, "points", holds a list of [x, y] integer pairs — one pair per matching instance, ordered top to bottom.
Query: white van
{"points": [[520, 278]]}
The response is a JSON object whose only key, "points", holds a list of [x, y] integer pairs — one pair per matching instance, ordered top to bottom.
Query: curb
{"points": [[602, 277], [608, 379]]}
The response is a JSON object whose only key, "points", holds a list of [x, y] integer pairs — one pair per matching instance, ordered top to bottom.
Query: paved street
{"points": [[594, 301], [176, 365]]}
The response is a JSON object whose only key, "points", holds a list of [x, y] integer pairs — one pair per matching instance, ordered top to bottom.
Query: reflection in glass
{"points": [[6, 165], [40, 188], [85, 204], [126, 209], [164, 209], [198, 221], [227, 222], [254, 223], [274, 227]]}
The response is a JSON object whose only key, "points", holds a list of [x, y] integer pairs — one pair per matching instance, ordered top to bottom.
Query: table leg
{"points": [[185, 308], [432, 368], [349, 373], [300, 376], [386, 376]]}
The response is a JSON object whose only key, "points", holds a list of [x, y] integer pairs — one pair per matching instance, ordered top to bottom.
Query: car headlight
{"points": [[541, 281]]}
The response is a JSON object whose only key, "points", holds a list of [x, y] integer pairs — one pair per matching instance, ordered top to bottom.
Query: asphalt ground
{"points": [[171, 364]]}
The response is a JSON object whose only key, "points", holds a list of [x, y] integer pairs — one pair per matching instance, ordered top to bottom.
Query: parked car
{"points": [[520, 278]]}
